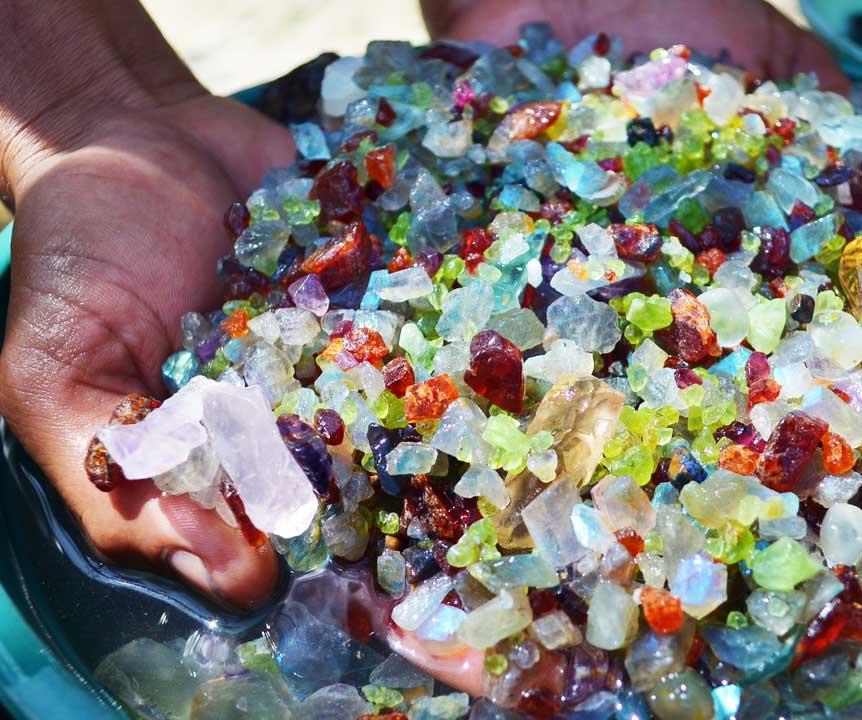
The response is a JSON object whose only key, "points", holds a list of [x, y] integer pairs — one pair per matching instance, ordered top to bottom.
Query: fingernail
{"points": [[191, 569]]}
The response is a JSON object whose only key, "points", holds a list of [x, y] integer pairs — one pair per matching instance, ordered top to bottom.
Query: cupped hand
{"points": [[757, 36], [115, 238]]}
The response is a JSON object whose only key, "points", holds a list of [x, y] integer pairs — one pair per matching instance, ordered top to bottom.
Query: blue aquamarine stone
{"points": [[310, 141], [517, 197], [761, 210], [808, 240], [233, 350], [178, 369]]}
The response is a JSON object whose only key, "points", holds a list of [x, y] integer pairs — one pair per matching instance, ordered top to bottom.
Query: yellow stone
{"points": [[850, 276], [581, 414]]}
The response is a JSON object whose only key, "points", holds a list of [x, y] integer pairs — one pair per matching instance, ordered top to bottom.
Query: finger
{"points": [[256, 143], [461, 670]]}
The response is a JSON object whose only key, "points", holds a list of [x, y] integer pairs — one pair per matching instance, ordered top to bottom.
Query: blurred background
{"points": [[233, 45]]}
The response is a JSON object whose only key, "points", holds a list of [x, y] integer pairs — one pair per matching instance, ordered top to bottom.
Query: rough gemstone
{"points": [[496, 370], [428, 400], [788, 450]]}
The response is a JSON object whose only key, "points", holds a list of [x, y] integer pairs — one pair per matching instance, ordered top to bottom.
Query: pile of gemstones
{"points": [[564, 348]]}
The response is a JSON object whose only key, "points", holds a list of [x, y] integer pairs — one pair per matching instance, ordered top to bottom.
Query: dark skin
{"points": [[120, 167]]}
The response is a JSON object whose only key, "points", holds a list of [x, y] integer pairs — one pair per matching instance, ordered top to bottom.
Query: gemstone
{"points": [[496, 370]]}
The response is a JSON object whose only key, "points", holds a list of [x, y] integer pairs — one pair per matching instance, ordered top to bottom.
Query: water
{"points": [[81, 607]]}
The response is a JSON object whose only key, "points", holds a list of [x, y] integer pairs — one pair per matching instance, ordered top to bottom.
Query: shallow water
{"points": [[82, 607]]}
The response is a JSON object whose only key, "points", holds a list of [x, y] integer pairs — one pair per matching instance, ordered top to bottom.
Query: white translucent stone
{"points": [[338, 90], [724, 99], [597, 241], [735, 275], [403, 285], [590, 323], [730, 325], [266, 327], [298, 327], [839, 336], [649, 355], [452, 359], [563, 359], [270, 369], [368, 378], [795, 379], [765, 416], [842, 418], [459, 433], [163, 439], [543, 465], [196, 473], [481, 481], [837, 488], [277, 495], [548, 520], [591, 529], [841, 534], [700, 584], [422, 602], [505, 615], [612, 618], [555, 630], [439, 633]]}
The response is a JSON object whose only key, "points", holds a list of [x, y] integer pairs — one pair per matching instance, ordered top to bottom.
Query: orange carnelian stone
{"points": [[532, 119], [380, 164], [343, 259], [711, 259], [400, 261], [236, 324], [689, 337], [366, 344], [398, 376], [429, 399], [837, 454], [738, 459], [630, 540], [663, 611]]}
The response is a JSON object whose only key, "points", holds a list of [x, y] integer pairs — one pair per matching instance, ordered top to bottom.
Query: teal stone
{"points": [[310, 141], [788, 188], [517, 197], [663, 205], [761, 210], [808, 240], [234, 349], [731, 364], [179, 368], [515, 571], [752, 649], [726, 699], [442, 707]]}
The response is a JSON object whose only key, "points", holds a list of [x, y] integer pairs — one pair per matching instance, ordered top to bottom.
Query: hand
{"points": [[758, 37], [117, 231]]}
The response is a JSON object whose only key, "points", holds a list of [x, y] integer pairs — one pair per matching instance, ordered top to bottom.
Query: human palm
{"points": [[114, 241]]}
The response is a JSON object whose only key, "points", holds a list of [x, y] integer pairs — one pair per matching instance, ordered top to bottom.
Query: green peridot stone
{"points": [[692, 214], [767, 319], [783, 565], [736, 619], [496, 664]]}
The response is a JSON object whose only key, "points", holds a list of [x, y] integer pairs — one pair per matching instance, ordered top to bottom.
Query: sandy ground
{"points": [[232, 45]]}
